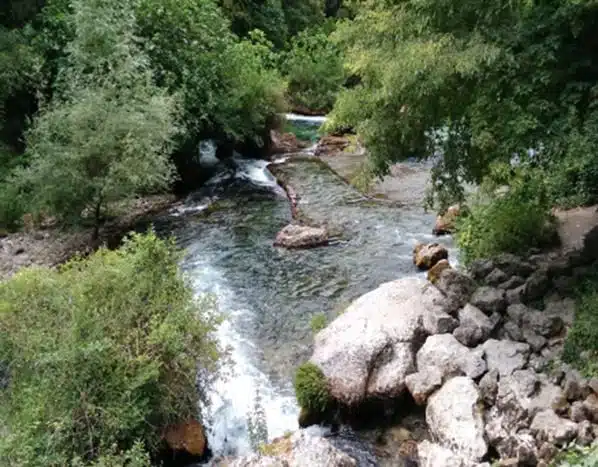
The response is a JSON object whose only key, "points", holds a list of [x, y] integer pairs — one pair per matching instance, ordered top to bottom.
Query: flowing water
{"points": [[269, 295]]}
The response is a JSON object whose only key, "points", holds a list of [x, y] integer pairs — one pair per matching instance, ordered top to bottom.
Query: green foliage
{"points": [[314, 69], [476, 83], [226, 85], [106, 134], [12, 206], [512, 222], [318, 322], [583, 335], [101, 353], [311, 388], [578, 456]]}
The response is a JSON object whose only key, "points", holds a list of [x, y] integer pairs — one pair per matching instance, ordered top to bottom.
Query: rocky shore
{"points": [[477, 351]]}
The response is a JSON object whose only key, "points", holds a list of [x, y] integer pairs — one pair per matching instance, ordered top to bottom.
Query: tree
{"points": [[314, 69], [471, 84], [107, 133]]}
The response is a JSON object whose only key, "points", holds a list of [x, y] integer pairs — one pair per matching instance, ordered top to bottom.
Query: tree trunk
{"points": [[96, 218]]}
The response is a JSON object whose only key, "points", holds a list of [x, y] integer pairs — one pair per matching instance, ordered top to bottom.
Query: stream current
{"points": [[269, 295]]}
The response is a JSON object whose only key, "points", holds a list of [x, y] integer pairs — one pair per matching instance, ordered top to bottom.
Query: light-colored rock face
{"points": [[301, 236], [367, 351], [445, 354], [505, 356], [455, 418], [305, 448], [314, 451], [434, 455], [256, 460]]}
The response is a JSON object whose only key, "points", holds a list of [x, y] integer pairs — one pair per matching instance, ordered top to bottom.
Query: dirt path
{"points": [[574, 224], [53, 246]]}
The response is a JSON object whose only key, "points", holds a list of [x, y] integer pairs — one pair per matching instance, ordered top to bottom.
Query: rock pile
{"points": [[476, 350]]}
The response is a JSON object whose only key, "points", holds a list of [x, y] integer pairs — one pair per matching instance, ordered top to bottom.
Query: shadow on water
{"points": [[269, 295]]}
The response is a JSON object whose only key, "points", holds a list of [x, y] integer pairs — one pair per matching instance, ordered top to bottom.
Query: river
{"points": [[269, 295]]}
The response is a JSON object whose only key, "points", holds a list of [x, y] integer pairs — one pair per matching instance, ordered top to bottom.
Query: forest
{"points": [[105, 100]]}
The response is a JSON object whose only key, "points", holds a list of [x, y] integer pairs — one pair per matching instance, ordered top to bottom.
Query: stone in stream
{"points": [[445, 223], [301, 236], [425, 256], [368, 351]]}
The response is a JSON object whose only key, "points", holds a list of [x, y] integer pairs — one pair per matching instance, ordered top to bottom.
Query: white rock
{"points": [[301, 236], [367, 351], [444, 353], [505, 356], [454, 416], [314, 451], [434, 455]]}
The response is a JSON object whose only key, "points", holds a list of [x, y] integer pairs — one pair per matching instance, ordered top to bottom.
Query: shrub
{"points": [[512, 222], [318, 322], [583, 335], [101, 353], [311, 388]]}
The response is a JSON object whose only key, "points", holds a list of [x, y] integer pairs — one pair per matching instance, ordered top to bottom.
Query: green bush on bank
{"points": [[512, 222], [583, 335], [100, 354], [311, 388]]}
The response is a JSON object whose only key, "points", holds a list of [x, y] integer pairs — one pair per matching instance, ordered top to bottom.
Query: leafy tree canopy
{"points": [[470, 83]]}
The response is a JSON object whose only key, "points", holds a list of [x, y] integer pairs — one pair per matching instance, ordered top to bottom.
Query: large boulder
{"points": [[301, 236], [368, 350], [444, 354], [455, 418]]}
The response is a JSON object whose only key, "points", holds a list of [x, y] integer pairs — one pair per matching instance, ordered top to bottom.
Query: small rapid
{"points": [[268, 295]]}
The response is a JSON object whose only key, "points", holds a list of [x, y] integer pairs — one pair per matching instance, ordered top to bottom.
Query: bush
{"points": [[314, 69], [512, 222], [583, 335], [101, 353], [311, 388]]}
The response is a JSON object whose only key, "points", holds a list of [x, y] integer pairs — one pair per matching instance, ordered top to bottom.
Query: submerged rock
{"points": [[301, 236], [426, 256], [368, 351], [455, 418]]}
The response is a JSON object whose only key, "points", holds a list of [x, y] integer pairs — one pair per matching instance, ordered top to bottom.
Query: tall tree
{"points": [[106, 134]]}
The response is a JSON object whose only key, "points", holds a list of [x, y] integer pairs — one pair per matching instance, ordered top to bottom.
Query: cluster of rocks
{"points": [[475, 349]]}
